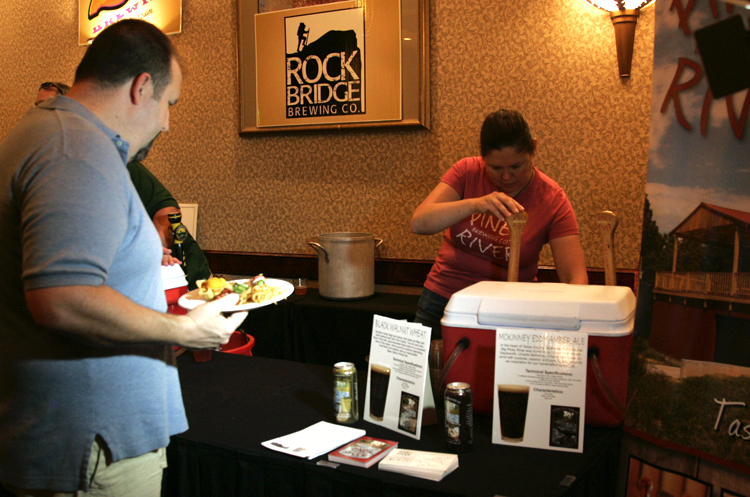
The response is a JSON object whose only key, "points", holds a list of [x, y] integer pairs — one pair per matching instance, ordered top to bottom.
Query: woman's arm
{"points": [[444, 207], [569, 260]]}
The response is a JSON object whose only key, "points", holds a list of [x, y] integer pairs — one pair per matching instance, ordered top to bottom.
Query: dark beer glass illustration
{"points": [[379, 377], [513, 401]]}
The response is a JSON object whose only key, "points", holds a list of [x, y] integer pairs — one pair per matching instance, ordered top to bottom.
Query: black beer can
{"points": [[459, 417]]}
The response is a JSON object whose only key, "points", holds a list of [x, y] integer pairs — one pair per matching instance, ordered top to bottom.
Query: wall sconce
{"points": [[624, 14]]}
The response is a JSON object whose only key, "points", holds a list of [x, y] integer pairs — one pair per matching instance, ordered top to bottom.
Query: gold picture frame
{"points": [[414, 66]]}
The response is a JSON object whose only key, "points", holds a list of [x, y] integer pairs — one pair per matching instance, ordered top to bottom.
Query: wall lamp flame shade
{"points": [[613, 5], [624, 14]]}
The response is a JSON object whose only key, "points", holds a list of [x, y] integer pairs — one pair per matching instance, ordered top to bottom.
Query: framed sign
{"points": [[95, 15], [334, 65]]}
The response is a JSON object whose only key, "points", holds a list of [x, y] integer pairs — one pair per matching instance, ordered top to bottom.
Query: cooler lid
{"points": [[542, 305]]}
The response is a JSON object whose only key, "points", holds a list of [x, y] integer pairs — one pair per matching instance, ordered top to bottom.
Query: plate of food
{"points": [[239, 295]]}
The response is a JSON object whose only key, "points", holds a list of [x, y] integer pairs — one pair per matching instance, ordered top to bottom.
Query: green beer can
{"points": [[345, 399]]}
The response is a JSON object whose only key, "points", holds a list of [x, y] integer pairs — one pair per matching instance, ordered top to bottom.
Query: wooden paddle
{"points": [[607, 221], [516, 224]]}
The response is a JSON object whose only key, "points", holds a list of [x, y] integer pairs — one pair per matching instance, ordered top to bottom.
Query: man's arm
{"points": [[157, 200], [159, 203], [163, 226], [100, 315]]}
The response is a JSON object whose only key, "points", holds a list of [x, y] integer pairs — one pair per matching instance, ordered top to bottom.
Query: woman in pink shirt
{"points": [[471, 202]]}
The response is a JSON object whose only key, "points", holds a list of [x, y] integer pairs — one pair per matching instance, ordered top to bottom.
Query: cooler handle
{"points": [[571, 323], [460, 346], [593, 356]]}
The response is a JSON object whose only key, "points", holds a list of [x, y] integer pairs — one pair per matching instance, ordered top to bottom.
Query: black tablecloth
{"points": [[309, 328], [236, 402]]}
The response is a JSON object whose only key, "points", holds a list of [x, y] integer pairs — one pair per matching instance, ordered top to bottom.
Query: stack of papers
{"points": [[173, 277], [314, 440], [363, 452], [429, 465]]}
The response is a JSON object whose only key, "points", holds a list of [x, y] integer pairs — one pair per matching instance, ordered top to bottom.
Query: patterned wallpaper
{"points": [[554, 60]]}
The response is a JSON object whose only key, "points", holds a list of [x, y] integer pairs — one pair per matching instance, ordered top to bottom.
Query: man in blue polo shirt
{"points": [[89, 394]]}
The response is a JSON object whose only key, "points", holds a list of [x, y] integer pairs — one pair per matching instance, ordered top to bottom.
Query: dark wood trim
{"points": [[249, 263], [403, 272]]}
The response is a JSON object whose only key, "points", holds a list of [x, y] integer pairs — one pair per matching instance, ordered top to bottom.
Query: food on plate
{"points": [[217, 287], [213, 288], [256, 290], [259, 291]]}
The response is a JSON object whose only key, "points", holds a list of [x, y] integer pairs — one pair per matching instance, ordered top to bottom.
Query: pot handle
{"points": [[378, 242], [317, 247]]}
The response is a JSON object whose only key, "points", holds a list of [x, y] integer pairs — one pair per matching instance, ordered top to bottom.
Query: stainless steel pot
{"points": [[346, 265]]}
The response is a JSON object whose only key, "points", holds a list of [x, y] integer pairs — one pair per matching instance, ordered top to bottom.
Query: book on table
{"points": [[363, 452], [430, 465]]}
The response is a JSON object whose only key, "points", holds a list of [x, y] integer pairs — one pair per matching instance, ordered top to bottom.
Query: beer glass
{"points": [[380, 375], [513, 400]]}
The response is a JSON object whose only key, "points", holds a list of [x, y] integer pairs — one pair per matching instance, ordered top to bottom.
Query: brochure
{"points": [[398, 386], [540, 388], [314, 440], [363, 452], [429, 465]]}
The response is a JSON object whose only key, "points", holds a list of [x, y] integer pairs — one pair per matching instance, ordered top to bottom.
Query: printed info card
{"points": [[398, 386], [540, 388]]}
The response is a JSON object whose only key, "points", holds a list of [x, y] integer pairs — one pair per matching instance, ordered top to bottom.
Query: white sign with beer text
{"points": [[398, 386], [540, 388]]}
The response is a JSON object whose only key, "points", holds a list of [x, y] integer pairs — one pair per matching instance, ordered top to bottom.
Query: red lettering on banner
{"points": [[715, 9], [683, 13], [675, 88], [738, 126]]}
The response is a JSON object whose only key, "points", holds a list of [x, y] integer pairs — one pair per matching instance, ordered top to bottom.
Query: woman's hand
{"points": [[497, 204], [444, 207]]}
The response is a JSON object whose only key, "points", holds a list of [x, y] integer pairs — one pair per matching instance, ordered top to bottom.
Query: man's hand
{"points": [[167, 259], [211, 327]]}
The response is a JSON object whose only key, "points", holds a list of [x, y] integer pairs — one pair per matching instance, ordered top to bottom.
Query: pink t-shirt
{"points": [[478, 248]]}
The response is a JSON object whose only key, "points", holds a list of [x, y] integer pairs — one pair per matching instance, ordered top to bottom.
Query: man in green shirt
{"points": [[159, 202]]}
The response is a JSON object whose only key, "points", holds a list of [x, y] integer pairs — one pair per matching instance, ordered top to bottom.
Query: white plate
{"points": [[191, 300]]}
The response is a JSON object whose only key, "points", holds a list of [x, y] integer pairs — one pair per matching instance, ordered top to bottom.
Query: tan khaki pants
{"points": [[135, 476]]}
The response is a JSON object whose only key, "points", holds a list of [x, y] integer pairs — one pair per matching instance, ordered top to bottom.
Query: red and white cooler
{"points": [[175, 286], [605, 313]]}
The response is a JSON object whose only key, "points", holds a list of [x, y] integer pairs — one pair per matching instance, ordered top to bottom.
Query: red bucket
{"points": [[173, 296], [237, 344]]}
